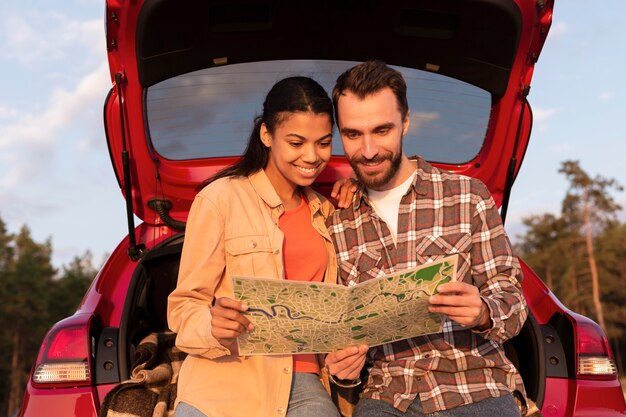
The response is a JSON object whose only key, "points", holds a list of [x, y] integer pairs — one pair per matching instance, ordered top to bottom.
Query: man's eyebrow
{"points": [[388, 125], [383, 126], [345, 130]]}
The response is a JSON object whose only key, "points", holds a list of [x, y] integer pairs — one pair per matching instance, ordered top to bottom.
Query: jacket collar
{"points": [[264, 188], [315, 204]]}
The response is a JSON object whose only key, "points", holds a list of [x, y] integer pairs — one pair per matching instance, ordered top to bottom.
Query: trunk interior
{"points": [[145, 311]]}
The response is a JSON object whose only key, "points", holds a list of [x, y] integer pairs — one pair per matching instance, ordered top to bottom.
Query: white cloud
{"points": [[96, 3], [35, 37], [20, 41], [90, 89], [606, 96], [65, 106], [8, 113], [541, 115], [541, 118], [29, 142], [560, 147]]}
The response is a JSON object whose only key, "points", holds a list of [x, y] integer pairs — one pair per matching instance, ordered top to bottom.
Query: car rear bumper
{"points": [[579, 397], [63, 402]]}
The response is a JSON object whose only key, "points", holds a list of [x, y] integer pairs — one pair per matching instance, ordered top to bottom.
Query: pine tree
{"points": [[589, 202], [581, 254], [611, 257], [6, 260], [71, 286], [34, 297], [25, 317]]}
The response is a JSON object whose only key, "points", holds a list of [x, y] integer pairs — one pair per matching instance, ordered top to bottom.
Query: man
{"points": [[407, 213]]}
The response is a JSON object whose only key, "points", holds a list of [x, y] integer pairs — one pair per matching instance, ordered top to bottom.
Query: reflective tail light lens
{"points": [[65, 356], [594, 356], [596, 365], [62, 372]]}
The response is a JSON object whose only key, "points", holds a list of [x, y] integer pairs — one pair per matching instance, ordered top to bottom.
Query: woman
{"points": [[258, 217]]}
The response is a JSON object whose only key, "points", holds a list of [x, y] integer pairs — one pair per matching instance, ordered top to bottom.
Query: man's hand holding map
{"points": [[304, 317]]}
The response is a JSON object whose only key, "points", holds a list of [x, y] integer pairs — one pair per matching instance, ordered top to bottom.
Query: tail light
{"points": [[64, 358], [594, 359]]}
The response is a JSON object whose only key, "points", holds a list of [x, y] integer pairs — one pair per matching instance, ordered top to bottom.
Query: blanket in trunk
{"points": [[151, 389]]}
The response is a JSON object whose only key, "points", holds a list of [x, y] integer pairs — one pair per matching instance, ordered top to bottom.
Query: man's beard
{"points": [[377, 182]]}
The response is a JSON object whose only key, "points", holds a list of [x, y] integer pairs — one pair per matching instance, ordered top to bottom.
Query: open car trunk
{"points": [[188, 80], [145, 311]]}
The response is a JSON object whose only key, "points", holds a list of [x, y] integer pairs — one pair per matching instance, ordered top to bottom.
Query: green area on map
{"points": [[304, 317]]}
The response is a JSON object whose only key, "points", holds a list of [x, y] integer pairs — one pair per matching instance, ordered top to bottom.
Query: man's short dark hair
{"points": [[368, 78]]}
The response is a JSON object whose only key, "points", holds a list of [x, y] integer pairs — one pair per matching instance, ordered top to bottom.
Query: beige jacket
{"points": [[233, 229]]}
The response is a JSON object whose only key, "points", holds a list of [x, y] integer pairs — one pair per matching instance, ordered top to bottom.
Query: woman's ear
{"points": [[265, 136]]}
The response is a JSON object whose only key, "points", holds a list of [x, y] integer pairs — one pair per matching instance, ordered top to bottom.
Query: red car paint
{"points": [[560, 390]]}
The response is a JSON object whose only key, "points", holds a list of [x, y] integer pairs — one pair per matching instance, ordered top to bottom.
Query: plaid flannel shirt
{"points": [[441, 214]]}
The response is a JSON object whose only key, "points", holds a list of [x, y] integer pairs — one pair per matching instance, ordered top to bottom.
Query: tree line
{"points": [[580, 254], [34, 295]]}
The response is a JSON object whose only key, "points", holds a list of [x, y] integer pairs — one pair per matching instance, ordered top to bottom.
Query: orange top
{"points": [[305, 259]]}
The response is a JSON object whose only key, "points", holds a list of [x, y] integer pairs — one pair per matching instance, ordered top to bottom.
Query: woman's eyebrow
{"points": [[295, 135]]}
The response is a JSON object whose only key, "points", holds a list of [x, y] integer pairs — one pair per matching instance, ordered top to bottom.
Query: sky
{"points": [[55, 171]]}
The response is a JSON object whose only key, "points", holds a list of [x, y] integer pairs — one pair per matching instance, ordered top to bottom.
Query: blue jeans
{"points": [[308, 398], [504, 406], [186, 410]]}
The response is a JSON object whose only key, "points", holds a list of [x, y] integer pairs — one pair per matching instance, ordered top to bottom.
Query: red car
{"points": [[187, 81]]}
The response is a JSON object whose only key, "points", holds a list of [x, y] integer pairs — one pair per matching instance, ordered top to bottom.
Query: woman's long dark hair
{"points": [[290, 95]]}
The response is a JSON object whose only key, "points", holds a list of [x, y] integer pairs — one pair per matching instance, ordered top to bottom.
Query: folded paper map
{"points": [[305, 317]]}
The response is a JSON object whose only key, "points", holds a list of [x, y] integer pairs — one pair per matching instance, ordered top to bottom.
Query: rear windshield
{"points": [[209, 113]]}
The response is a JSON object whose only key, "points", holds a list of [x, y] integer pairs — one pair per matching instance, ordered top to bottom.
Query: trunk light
{"points": [[69, 343], [594, 355], [65, 356]]}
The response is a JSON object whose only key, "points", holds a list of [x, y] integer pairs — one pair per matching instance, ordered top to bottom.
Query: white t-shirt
{"points": [[387, 204]]}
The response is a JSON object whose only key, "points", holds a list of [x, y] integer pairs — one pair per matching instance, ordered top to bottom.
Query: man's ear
{"points": [[407, 122], [265, 136]]}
